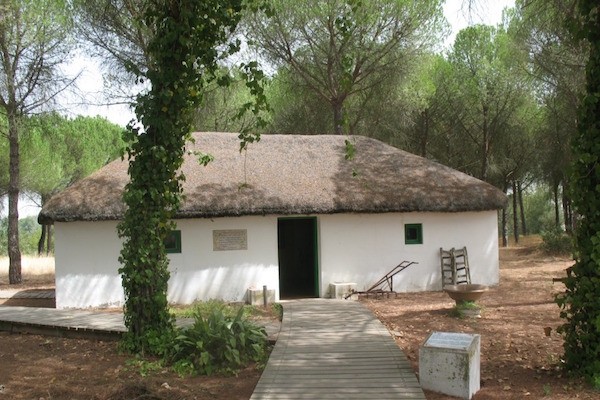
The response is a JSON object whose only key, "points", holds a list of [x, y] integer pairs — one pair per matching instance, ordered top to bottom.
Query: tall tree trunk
{"points": [[338, 117], [424, 133], [485, 143], [556, 207], [521, 208], [515, 212], [567, 212], [504, 222], [49, 239], [42, 240], [14, 253]]}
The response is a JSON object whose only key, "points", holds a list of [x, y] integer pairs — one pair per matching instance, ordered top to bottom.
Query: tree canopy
{"points": [[342, 50]]}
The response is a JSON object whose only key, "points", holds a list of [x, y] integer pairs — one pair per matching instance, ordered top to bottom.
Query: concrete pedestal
{"points": [[339, 290], [255, 297], [449, 363]]}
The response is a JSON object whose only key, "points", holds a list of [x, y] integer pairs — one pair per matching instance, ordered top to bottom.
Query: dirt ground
{"points": [[518, 360]]}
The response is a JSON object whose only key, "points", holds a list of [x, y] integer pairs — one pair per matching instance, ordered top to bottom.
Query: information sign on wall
{"points": [[230, 239]]}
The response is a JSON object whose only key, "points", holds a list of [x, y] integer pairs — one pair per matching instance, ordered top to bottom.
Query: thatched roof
{"points": [[290, 174]]}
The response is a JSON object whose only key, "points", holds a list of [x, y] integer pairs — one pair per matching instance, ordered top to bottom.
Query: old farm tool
{"points": [[385, 286]]}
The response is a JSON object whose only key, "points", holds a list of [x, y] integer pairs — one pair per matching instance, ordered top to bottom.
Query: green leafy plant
{"points": [[187, 40], [557, 242], [580, 303], [468, 305], [465, 308], [278, 310], [218, 343], [145, 367], [547, 390]]}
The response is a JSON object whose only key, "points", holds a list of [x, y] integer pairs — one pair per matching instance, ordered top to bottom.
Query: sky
{"points": [[483, 12], [91, 84]]}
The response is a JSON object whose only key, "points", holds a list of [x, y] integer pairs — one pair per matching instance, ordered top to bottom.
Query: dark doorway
{"points": [[297, 239]]}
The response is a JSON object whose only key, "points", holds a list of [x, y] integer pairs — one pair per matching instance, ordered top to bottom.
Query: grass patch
{"points": [[35, 271], [206, 308]]}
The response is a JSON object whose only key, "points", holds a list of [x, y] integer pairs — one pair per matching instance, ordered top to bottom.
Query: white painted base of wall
{"points": [[358, 248]]}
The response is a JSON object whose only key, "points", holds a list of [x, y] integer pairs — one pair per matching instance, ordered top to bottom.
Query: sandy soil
{"points": [[518, 359]]}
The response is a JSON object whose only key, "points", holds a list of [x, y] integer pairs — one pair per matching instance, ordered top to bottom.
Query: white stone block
{"points": [[339, 290], [255, 297], [449, 363]]}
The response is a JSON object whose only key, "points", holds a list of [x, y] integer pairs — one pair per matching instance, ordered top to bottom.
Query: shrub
{"points": [[557, 242], [218, 343]]}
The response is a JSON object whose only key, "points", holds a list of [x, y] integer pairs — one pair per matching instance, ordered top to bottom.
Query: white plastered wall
{"points": [[358, 248], [362, 248], [86, 258], [87, 262], [199, 272]]}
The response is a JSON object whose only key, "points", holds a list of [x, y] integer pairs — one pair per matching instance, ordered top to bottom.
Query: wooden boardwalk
{"points": [[63, 323], [101, 325], [335, 349]]}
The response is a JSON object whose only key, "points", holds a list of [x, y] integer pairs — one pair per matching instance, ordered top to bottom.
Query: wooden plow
{"points": [[384, 286]]}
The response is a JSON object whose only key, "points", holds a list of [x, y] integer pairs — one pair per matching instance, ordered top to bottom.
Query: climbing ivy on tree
{"points": [[188, 39], [581, 301]]}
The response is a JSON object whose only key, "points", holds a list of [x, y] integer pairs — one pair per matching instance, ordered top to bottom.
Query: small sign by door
{"points": [[230, 239]]}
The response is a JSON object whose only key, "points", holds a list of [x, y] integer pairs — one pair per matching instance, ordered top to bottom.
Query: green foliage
{"points": [[187, 41], [336, 57], [492, 108], [57, 151], [539, 210], [29, 233], [557, 242], [580, 303], [205, 308], [466, 309], [278, 310], [218, 342], [145, 367], [547, 390]]}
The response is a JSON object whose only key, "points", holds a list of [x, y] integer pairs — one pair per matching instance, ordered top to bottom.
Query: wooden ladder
{"points": [[455, 266]]}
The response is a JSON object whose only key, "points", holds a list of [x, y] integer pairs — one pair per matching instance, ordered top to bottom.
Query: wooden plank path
{"points": [[63, 323], [101, 325], [335, 349]]}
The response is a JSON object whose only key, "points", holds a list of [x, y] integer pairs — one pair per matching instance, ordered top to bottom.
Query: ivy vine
{"points": [[188, 39], [580, 304]]}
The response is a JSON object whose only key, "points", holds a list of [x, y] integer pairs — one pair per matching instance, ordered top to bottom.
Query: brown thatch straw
{"points": [[290, 174]]}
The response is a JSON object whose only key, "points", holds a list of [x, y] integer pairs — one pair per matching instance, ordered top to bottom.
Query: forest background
{"points": [[497, 102]]}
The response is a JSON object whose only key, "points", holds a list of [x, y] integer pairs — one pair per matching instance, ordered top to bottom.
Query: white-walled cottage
{"points": [[290, 213]]}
